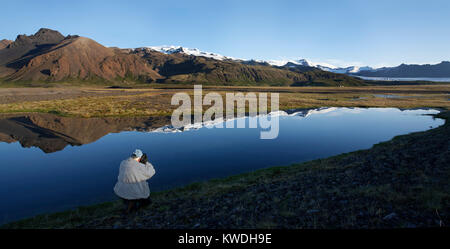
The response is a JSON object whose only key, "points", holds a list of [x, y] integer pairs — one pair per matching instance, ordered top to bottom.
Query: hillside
{"points": [[4, 43], [18, 53], [48, 56], [81, 58], [178, 67], [410, 71], [318, 77]]}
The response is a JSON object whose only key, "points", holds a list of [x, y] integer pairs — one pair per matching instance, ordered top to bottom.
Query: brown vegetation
{"points": [[103, 102]]}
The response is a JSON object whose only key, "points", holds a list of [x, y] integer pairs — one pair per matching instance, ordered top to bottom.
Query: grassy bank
{"points": [[107, 102], [399, 183]]}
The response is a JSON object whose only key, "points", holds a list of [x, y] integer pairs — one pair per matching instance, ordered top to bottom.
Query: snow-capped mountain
{"points": [[189, 51], [279, 63], [323, 66], [345, 70]]}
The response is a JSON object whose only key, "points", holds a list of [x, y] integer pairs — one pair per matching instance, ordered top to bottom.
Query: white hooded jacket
{"points": [[132, 180]]}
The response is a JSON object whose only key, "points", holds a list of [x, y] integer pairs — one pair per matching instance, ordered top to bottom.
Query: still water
{"points": [[437, 79], [49, 164]]}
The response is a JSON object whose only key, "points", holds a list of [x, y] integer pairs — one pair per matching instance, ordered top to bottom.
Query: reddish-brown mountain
{"points": [[49, 56]]}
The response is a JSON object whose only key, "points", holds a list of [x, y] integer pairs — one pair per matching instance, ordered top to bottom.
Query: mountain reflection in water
{"points": [[53, 133]]}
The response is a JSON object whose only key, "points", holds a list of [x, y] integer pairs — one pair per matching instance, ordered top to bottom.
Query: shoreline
{"points": [[430, 194]]}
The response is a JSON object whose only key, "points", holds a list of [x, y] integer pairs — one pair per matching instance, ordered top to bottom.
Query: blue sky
{"points": [[374, 33]]}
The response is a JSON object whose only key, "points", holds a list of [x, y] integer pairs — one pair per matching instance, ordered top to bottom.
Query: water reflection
{"points": [[53, 133]]}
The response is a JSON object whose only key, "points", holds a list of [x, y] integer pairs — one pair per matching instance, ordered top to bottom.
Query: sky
{"points": [[348, 32]]}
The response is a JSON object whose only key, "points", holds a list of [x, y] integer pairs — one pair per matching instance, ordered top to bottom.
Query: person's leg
{"points": [[144, 202], [125, 204], [131, 205]]}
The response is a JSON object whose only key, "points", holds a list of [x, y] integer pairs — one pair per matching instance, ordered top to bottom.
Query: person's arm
{"points": [[148, 170]]}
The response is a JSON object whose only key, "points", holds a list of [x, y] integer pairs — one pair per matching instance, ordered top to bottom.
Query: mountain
{"points": [[4, 43], [189, 51], [17, 53], [49, 56], [280, 63], [180, 64], [322, 66], [178, 67], [345, 70], [407, 71], [411, 71], [318, 77]]}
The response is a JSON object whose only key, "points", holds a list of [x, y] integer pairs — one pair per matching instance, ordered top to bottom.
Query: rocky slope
{"points": [[4, 43], [18, 53], [49, 56], [82, 58]]}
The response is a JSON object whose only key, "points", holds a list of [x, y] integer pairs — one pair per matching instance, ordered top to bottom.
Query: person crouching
{"points": [[132, 186]]}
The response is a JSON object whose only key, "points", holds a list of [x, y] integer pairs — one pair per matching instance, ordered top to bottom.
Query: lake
{"points": [[437, 79], [51, 163]]}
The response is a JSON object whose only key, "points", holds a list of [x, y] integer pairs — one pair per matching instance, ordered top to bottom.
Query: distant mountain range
{"points": [[48, 56], [403, 71], [408, 71]]}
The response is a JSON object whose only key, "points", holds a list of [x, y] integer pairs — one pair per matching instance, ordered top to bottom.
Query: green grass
{"points": [[107, 210]]}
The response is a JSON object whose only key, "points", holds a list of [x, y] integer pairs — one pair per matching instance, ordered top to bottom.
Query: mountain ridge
{"points": [[4, 43], [48, 56], [43, 57], [64, 61], [349, 70], [411, 70]]}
